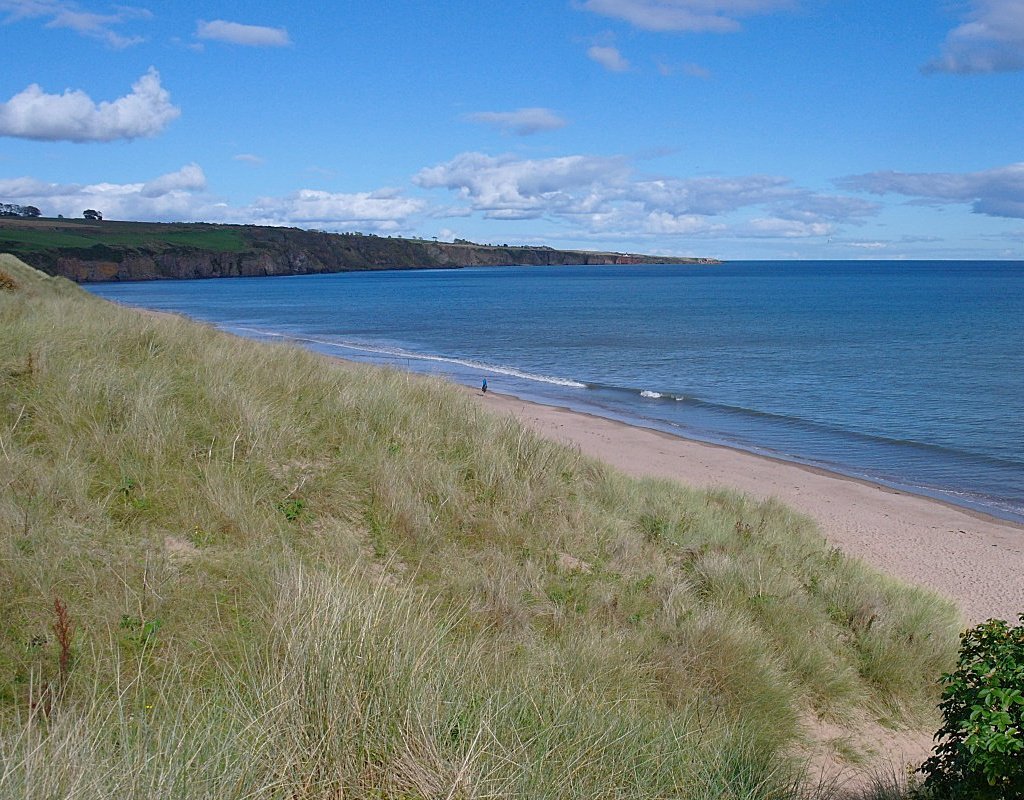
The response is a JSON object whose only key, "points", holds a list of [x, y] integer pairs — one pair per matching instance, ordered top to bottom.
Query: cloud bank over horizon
{"points": [[997, 192], [182, 196], [593, 196]]}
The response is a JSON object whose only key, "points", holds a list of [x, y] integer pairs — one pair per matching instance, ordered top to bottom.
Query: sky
{"points": [[735, 129]]}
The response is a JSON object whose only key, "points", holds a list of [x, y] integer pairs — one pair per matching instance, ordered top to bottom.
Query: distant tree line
{"points": [[14, 210], [26, 212]]}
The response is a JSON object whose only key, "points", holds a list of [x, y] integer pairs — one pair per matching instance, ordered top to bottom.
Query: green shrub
{"points": [[981, 745]]}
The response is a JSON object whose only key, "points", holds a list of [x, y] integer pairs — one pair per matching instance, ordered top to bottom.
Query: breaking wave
{"points": [[399, 353]]}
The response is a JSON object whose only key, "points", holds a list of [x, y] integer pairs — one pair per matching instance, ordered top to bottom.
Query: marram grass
{"points": [[290, 577]]}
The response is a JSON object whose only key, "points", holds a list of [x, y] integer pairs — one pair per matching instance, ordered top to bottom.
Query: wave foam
{"points": [[396, 352]]}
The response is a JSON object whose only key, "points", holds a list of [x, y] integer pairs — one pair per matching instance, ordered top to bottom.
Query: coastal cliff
{"points": [[87, 250]]}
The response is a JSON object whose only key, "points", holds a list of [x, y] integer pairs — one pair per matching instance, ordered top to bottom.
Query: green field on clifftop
{"points": [[34, 235], [86, 250]]}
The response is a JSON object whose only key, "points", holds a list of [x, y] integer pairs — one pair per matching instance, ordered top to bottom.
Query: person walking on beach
{"points": [[483, 386]]}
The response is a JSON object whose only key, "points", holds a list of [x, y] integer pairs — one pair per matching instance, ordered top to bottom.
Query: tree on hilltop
{"points": [[14, 210], [91, 213]]}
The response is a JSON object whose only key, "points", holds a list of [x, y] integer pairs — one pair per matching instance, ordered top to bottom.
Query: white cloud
{"points": [[22, 9], [67, 15], [715, 16], [99, 26], [236, 33], [990, 40], [608, 57], [73, 116], [522, 122], [250, 158], [189, 178], [508, 187], [27, 188], [995, 192], [602, 195], [182, 196], [709, 196], [166, 197], [588, 197], [810, 207], [383, 211], [663, 223], [775, 228]]}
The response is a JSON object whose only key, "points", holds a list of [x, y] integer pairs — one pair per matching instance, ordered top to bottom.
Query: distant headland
{"points": [[91, 249]]}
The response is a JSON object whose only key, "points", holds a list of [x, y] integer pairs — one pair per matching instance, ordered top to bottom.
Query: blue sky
{"points": [[727, 128]]}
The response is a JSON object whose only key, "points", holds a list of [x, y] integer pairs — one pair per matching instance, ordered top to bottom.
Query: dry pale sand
{"points": [[976, 560]]}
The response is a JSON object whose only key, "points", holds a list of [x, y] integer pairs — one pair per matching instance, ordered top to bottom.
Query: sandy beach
{"points": [[974, 559]]}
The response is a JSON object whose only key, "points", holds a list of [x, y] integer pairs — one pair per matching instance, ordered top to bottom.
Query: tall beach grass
{"points": [[292, 577]]}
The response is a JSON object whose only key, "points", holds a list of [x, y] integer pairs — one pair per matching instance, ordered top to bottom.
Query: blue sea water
{"points": [[906, 373]]}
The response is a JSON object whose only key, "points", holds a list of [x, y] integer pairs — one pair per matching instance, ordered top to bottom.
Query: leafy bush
{"points": [[981, 745]]}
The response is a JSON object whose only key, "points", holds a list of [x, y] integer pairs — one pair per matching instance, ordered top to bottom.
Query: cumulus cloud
{"points": [[67, 15], [714, 16], [236, 33], [990, 40], [608, 57], [73, 116], [522, 122], [189, 178], [508, 187], [25, 188], [995, 192], [183, 195], [603, 195], [709, 196], [166, 197], [593, 197], [384, 211], [662, 223]]}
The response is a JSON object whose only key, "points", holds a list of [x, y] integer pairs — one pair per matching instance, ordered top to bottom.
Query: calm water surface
{"points": [[911, 374]]}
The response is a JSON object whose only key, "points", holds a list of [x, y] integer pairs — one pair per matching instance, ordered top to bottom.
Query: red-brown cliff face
{"points": [[132, 251]]}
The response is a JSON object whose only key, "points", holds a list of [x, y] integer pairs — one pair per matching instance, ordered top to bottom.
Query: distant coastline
{"points": [[88, 251]]}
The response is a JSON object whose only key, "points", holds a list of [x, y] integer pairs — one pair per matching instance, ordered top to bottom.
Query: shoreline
{"points": [[893, 486], [974, 559]]}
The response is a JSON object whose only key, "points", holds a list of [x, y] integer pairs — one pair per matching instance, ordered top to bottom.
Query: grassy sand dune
{"points": [[290, 577]]}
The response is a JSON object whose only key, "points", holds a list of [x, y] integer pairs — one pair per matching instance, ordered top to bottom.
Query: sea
{"points": [[908, 374]]}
